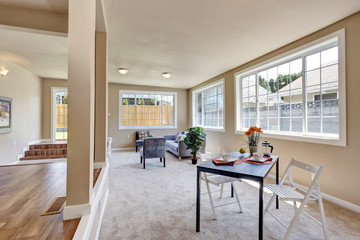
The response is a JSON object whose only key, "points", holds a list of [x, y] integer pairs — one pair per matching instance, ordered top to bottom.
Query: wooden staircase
{"points": [[45, 151]]}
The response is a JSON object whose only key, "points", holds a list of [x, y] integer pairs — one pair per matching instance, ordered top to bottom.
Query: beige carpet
{"points": [[159, 203]]}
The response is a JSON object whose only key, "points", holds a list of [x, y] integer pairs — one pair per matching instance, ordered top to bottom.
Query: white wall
{"points": [[25, 90]]}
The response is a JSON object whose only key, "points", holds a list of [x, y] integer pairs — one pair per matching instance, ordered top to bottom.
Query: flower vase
{"points": [[252, 149]]}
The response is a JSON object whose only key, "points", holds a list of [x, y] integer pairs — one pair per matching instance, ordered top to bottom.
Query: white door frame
{"points": [[53, 110]]}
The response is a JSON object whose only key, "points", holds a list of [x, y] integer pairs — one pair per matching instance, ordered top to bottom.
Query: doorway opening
{"points": [[59, 114]]}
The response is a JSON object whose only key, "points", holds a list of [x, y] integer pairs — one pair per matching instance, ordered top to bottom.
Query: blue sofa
{"points": [[179, 148]]}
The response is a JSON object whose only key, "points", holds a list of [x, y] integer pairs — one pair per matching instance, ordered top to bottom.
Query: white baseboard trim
{"points": [[124, 149], [98, 165], [338, 201], [72, 212], [102, 214], [88, 227]]}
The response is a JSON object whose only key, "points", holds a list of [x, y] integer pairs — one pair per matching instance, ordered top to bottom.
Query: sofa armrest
{"points": [[170, 137], [183, 150]]}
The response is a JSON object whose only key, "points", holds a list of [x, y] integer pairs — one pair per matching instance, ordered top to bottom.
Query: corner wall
{"points": [[25, 90], [120, 137], [342, 164]]}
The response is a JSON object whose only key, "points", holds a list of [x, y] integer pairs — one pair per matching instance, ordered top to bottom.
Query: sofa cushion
{"points": [[178, 137], [172, 145]]}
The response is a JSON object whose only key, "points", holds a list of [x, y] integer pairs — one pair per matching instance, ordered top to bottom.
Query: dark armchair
{"points": [[139, 140], [153, 148]]}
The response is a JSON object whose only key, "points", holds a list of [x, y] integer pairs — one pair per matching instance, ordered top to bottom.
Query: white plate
{"points": [[221, 159], [260, 160]]}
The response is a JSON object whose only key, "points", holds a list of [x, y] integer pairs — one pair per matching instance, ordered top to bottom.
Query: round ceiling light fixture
{"points": [[123, 70], [3, 72], [167, 74]]}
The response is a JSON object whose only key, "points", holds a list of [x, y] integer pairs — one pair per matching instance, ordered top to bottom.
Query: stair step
{"points": [[48, 146], [46, 152], [39, 157]]}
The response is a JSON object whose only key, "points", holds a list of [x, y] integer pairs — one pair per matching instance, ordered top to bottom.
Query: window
{"points": [[301, 94], [208, 106], [147, 109]]}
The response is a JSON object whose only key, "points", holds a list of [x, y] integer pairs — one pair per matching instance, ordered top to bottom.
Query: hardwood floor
{"points": [[25, 192]]}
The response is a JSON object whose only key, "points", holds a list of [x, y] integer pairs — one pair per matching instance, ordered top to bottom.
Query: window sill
{"points": [[214, 129], [328, 140]]}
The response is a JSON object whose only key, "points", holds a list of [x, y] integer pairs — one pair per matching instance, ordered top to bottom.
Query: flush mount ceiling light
{"points": [[123, 70], [3, 72], [166, 74]]}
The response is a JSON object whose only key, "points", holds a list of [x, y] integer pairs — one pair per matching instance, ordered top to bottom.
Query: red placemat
{"points": [[268, 161], [221, 162]]}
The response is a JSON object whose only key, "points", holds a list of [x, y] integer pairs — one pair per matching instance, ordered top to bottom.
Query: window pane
{"points": [[329, 56], [312, 62], [312, 77], [314, 108], [264, 123], [273, 124], [285, 124], [331, 124], [296, 125], [313, 125]]}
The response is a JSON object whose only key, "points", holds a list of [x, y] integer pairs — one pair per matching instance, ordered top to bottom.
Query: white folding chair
{"points": [[217, 180], [295, 194]]}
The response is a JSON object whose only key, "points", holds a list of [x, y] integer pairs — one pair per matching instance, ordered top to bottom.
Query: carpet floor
{"points": [[159, 203]]}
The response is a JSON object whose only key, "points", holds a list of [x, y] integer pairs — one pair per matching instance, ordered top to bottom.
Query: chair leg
{"points": [[135, 148], [179, 158], [140, 159], [160, 159], [164, 161], [144, 163], [221, 190], [210, 197], [237, 197], [269, 204], [322, 214], [296, 217]]}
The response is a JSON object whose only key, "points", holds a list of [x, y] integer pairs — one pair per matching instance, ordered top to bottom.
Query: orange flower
{"points": [[252, 129], [259, 130], [248, 133]]}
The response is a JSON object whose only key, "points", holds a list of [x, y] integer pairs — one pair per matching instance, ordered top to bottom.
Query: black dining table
{"points": [[255, 172]]}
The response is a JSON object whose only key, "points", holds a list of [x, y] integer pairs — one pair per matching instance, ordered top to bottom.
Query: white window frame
{"points": [[314, 46], [150, 93], [194, 113]]}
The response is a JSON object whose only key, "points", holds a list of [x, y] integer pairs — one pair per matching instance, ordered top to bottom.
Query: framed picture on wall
{"points": [[5, 114]]}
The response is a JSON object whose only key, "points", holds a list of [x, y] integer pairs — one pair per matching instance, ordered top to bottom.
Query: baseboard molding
{"points": [[124, 149], [98, 165], [338, 201], [72, 212], [102, 215], [90, 224]]}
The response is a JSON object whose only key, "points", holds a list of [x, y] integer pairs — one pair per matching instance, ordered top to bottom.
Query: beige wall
{"points": [[33, 19], [47, 84], [25, 90], [120, 137], [341, 176]]}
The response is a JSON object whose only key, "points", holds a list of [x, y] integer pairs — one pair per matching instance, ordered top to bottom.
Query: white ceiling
{"points": [[195, 40], [44, 55]]}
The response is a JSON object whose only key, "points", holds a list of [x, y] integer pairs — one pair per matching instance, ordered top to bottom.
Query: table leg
{"points": [[277, 182], [232, 190], [198, 201], [261, 208]]}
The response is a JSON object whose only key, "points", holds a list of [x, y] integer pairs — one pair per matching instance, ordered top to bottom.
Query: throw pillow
{"points": [[142, 135], [178, 137], [182, 137]]}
